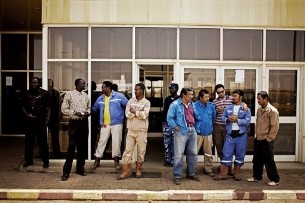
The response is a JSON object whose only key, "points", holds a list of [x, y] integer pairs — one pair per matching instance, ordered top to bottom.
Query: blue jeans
{"points": [[181, 143]]}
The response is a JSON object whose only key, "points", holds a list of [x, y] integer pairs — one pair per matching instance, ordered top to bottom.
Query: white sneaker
{"points": [[253, 180], [272, 183]]}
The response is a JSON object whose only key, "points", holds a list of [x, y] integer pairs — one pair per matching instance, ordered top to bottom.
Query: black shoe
{"points": [[26, 164], [168, 164], [45, 165], [82, 173], [64, 177], [193, 178], [177, 181]]}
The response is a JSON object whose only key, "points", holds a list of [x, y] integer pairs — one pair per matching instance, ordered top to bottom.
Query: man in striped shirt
{"points": [[220, 103]]}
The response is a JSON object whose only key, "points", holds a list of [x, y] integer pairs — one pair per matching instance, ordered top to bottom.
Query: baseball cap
{"points": [[174, 85]]}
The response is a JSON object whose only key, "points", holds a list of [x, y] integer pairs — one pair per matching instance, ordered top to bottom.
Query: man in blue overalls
{"points": [[237, 121], [167, 131]]}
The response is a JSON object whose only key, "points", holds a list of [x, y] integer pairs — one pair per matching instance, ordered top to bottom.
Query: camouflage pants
{"points": [[168, 144]]}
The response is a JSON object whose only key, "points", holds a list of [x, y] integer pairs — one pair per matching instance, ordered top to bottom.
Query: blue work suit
{"points": [[237, 145]]}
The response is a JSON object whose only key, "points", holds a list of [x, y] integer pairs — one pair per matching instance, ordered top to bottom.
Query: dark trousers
{"points": [[54, 129], [38, 130], [168, 137], [219, 137], [78, 138], [263, 155]]}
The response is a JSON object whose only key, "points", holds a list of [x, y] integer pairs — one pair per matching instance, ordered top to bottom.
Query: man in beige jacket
{"points": [[137, 110], [267, 126]]}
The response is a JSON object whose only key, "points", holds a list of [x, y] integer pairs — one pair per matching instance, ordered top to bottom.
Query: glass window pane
{"points": [[68, 43], [112, 43], [156, 43], [200, 44], [246, 45], [285, 45], [14, 51], [35, 52], [116, 72], [199, 79], [248, 86], [283, 95], [10, 100], [286, 139]]}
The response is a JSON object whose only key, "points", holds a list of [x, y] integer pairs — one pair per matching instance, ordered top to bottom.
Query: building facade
{"points": [[252, 45]]}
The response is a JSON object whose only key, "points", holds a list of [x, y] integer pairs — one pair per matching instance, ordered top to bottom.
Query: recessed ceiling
{"points": [[19, 15]]}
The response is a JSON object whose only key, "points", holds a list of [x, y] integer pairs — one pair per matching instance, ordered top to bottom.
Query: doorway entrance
{"points": [[156, 79]]}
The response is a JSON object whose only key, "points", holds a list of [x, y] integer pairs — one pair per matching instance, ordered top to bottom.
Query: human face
{"points": [[35, 84], [81, 85], [106, 90], [172, 90], [138, 92], [220, 92], [188, 96], [205, 98], [236, 98], [262, 102]]}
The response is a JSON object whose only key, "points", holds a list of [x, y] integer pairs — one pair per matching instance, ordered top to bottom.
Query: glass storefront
{"points": [[156, 56]]}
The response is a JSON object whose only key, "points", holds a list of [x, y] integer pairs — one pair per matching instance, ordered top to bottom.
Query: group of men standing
{"points": [[225, 121], [189, 126]]}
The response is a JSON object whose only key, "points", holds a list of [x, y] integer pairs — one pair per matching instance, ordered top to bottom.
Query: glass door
{"points": [[284, 96]]}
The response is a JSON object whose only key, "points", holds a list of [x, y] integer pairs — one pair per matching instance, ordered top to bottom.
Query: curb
{"points": [[142, 195]]}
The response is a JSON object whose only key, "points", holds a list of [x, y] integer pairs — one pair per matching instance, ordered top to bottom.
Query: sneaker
{"points": [[211, 174], [193, 178], [253, 180], [272, 183]]}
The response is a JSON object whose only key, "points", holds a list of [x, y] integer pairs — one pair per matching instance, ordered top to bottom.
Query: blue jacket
{"points": [[117, 105], [207, 114], [176, 116], [244, 118]]}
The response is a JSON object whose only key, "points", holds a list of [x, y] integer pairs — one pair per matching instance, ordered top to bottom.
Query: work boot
{"points": [[96, 163], [117, 163], [138, 170], [230, 171], [126, 172], [223, 173], [237, 173]]}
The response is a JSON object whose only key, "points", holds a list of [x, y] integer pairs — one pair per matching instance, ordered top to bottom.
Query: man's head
{"points": [[35, 83], [50, 84], [80, 84], [93, 86], [106, 87], [173, 88], [139, 90], [220, 90], [186, 94], [204, 96], [237, 96], [262, 98]]}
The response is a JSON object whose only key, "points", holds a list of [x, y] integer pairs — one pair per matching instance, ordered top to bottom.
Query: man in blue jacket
{"points": [[112, 111], [207, 114], [183, 117], [237, 120]]}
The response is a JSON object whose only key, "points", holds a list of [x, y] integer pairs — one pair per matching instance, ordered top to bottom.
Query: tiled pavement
{"points": [[17, 183]]}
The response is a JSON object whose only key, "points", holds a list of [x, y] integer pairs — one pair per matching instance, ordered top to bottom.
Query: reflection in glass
{"points": [[68, 43], [114, 43], [156, 43], [199, 44], [246, 45], [285, 45], [14, 52], [35, 52], [116, 72], [64, 74], [199, 79], [248, 86], [283, 95], [286, 139]]}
